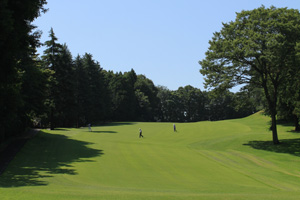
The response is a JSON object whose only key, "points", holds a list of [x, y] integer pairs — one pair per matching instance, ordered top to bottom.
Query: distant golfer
{"points": [[174, 128], [90, 129], [141, 135]]}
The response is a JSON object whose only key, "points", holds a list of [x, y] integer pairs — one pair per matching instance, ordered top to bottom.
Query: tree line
{"points": [[59, 90], [79, 91]]}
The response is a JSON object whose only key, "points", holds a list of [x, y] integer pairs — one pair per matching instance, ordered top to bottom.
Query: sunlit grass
{"points": [[232, 159]]}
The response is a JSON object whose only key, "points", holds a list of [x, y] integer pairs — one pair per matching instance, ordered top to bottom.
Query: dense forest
{"points": [[56, 89], [77, 91]]}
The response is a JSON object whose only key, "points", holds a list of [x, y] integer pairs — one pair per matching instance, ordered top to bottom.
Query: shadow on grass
{"points": [[118, 124], [288, 124], [61, 129], [293, 131], [104, 132], [289, 146], [44, 156]]}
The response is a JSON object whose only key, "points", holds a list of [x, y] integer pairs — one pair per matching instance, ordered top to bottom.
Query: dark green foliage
{"points": [[17, 46], [258, 49], [51, 59], [34, 85], [81, 86], [64, 90], [92, 91], [76, 94], [146, 95], [122, 96], [289, 97], [192, 100], [191, 104], [221, 105]]}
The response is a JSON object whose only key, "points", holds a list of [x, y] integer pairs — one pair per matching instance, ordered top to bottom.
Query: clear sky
{"points": [[162, 39]]}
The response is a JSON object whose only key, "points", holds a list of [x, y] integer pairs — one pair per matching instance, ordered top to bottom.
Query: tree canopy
{"points": [[18, 42], [259, 49]]}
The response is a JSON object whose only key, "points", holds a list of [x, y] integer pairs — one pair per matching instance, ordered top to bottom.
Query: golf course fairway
{"points": [[230, 159]]}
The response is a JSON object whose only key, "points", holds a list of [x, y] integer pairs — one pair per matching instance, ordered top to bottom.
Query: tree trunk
{"points": [[272, 102], [273, 112], [51, 119], [297, 126], [274, 129]]}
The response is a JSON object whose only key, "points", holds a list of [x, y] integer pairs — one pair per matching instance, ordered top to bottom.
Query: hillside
{"points": [[231, 159]]}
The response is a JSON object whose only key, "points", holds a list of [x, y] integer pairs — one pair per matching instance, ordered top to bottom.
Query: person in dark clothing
{"points": [[141, 135]]}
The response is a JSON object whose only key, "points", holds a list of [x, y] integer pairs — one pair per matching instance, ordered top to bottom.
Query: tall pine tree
{"points": [[51, 61]]}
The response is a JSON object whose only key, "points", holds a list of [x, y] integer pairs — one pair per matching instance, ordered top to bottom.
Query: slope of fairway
{"points": [[231, 159]]}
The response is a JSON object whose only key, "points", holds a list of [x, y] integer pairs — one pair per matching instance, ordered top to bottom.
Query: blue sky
{"points": [[162, 39]]}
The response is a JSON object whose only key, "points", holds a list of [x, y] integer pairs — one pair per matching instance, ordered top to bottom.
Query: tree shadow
{"points": [[118, 123], [288, 124], [61, 129], [293, 131], [104, 132], [289, 146], [44, 156]]}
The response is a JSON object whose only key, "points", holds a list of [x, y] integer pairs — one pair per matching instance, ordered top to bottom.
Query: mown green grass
{"points": [[231, 159]]}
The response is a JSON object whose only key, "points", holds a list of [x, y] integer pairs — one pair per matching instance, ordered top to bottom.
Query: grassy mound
{"points": [[231, 159]]}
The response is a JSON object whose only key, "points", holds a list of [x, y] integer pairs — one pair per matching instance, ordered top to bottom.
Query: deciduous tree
{"points": [[254, 49]]}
